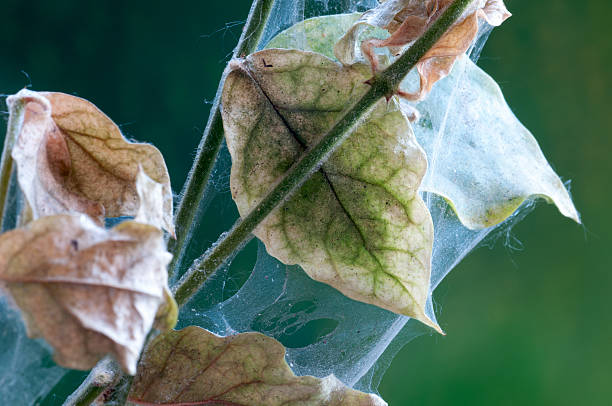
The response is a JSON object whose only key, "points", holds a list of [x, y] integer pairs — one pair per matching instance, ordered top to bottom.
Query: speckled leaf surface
{"points": [[72, 158], [482, 159], [358, 224], [87, 290], [195, 367]]}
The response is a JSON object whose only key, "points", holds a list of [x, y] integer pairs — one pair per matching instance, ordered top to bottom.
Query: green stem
{"points": [[382, 85], [16, 114], [212, 139], [101, 377]]}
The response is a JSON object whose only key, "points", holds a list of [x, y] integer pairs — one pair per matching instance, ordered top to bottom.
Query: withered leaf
{"points": [[406, 21], [71, 158], [151, 201], [358, 224], [87, 290], [193, 366]]}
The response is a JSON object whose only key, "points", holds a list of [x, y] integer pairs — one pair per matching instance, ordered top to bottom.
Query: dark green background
{"points": [[525, 327]]}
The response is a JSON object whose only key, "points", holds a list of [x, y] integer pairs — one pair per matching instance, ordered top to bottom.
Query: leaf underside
{"points": [[486, 162], [357, 223]]}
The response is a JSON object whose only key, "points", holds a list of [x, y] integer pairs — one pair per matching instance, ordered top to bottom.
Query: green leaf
{"points": [[318, 34], [321, 34], [481, 158], [358, 224], [193, 366]]}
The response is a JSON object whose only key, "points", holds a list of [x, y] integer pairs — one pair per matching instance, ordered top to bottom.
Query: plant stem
{"points": [[382, 85], [17, 112], [212, 139], [99, 379]]}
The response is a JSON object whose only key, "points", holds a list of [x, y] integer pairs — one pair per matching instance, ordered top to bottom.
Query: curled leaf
{"points": [[406, 21], [71, 158], [482, 159], [151, 201], [358, 224], [87, 290], [193, 366]]}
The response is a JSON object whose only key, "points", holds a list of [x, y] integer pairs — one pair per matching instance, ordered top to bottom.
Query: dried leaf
{"points": [[406, 21], [72, 158], [484, 161], [151, 199], [358, 224], [87, 290], [193, 366]]}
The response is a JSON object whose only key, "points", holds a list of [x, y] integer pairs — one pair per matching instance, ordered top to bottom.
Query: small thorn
{"points": [[235, 64], [369, 81], [409, 96]]}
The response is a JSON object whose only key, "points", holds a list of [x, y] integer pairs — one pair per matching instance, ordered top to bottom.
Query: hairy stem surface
{"points": [[382, 85], [211, 141]]}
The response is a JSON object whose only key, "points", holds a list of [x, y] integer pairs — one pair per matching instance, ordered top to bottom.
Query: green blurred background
{"points": [[528, 323]]}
